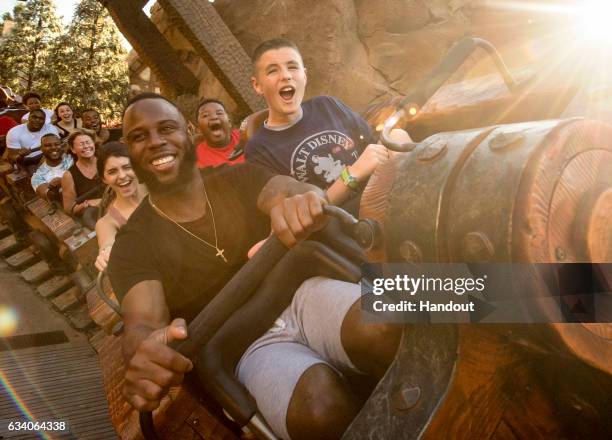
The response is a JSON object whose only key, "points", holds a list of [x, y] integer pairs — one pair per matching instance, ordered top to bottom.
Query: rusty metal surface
{"points": [[204, 28], [532, 192], [416, 205], [402, 403]]}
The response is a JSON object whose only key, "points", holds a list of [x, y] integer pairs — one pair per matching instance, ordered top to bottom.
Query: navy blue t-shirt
{"points": [[316, 149]]}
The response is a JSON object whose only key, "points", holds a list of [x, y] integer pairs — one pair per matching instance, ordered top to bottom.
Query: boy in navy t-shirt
{"points": [[320, 141]]}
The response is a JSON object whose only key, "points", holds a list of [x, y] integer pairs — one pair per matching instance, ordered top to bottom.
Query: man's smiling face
{"points": [[280, 77], [214, 124], [51, 148], [161, 152]]}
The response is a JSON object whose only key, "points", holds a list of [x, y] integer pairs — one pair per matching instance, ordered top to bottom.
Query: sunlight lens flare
{"points": [[593, 21], [8, 321]]}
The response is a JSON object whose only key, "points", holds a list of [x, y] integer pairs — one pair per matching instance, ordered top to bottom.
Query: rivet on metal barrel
{"points": [[503, 140], [432, 151], [476, 246], [410, 252], [406, 397]]}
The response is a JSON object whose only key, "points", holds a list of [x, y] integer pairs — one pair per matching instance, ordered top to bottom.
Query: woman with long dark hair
{"points": [[65, 120], [116, 172]]}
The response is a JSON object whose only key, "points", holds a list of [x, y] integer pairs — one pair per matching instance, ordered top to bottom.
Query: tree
{"points": [[24, 52], [90, 63]]}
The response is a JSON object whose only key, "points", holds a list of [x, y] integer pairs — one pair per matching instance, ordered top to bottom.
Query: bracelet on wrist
{"points": [[349, 180]]}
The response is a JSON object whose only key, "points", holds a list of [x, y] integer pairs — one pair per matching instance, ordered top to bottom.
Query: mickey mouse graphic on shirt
{"points": [[322, 157]]}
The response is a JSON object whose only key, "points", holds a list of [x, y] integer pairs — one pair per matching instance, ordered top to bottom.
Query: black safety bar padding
{"points": [[88, 194], [235, 293], [218, 359], [147, 426]]}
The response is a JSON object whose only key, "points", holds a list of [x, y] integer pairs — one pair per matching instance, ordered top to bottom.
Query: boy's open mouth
{"points": [[287, 93], [215, 126]]}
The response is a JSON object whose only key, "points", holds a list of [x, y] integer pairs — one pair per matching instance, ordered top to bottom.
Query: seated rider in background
{"points": [[33, 101], [65, 119], [93, 124], [218, 139], [23, 141], [320, 141], [116, 170], [47, 179], [82, 180], [188, 238]]}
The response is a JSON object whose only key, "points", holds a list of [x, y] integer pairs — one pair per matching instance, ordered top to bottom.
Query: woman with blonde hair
{"points": [[81, 185]]}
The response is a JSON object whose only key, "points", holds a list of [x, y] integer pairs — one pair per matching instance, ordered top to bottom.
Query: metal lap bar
{"points": [[436, 78], [104, 297]]}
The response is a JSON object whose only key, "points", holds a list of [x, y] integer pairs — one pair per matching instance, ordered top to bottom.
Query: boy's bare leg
{"points": [[370, 346], [322, 405]]}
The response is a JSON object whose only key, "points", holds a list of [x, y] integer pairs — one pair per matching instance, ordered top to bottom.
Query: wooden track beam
{"points": [[214, 42], [151, 45]]}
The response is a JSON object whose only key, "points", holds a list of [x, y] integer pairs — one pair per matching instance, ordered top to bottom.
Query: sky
{"points": [[64, 8]]}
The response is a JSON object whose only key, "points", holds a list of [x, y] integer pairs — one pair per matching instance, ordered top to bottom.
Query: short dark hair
{"points": [[274, 43], [29, 95], [146, 95], [208, 101], [58, 106], [90, 109], [37, 110], [76, 133], [44, 136], [110, 149]]}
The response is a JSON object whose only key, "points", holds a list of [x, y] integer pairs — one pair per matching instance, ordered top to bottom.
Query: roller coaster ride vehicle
{"points": [[511, 186]]}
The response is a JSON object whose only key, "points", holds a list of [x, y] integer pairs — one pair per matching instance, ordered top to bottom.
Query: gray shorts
{"points": [[305, 334]]}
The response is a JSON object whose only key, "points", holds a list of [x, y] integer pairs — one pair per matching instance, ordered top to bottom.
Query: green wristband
{"points": [[349, 180]]}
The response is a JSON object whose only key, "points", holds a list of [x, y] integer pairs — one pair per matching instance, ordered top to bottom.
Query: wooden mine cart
{"points": [[482, 184]]}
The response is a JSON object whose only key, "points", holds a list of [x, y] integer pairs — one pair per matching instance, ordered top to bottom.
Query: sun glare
{"points": [[593, 21], [8, 321]]}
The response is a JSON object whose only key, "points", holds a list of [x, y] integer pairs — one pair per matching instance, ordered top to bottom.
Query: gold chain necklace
{"points": [[215, 246]]}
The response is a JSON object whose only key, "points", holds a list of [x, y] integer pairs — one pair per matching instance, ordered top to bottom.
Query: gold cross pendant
{"points": [[220, 254]]}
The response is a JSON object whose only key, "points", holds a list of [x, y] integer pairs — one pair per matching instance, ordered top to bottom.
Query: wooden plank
{"points": [[214, 42], [151, 45], [39, 207], [61, 224], [4, 230], [9, 245], [22, 259], [37, 273], [53, 286], [67, 300], [80, 318], [97, 339]]}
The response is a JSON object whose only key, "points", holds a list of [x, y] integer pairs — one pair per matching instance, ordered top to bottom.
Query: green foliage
{"points": [[25, 51], [91, 63], [84, 64]]}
